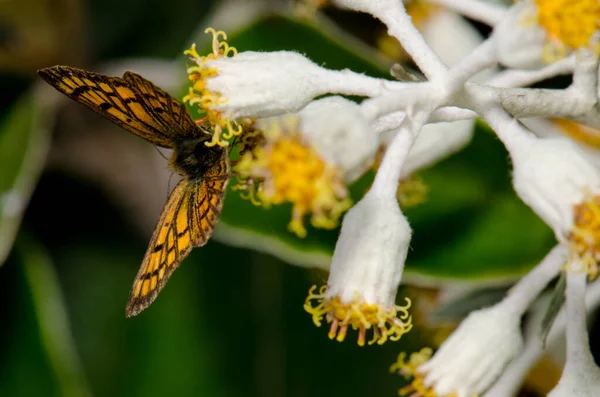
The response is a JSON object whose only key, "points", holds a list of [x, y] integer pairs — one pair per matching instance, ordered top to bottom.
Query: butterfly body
{"points": [[193, 158], [194, 205]]}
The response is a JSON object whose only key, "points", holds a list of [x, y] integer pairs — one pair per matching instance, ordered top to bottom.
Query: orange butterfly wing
{"points": [[128, 102], [169, 111], [193, 208], [187, 221]]}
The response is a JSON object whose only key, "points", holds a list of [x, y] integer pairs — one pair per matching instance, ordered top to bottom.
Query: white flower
{"points": [[535, 32], [520, 42], [262, 84], [229, 85], [339, 132], [586, 137], [307, 158], [278, 163], [552, 176], [365, 273], [486, 341], [476, 353], [581, 375], [581, 382]]}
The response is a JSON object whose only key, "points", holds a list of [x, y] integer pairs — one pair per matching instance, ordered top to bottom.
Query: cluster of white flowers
{"points": [[304, 150]]}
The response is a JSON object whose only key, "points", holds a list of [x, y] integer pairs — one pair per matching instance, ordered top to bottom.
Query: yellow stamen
{"points": [[569, 25], [200, 95], [580, 132], [216, 138], [280, 168], [584, 238], [386, 322], [409, 370]]}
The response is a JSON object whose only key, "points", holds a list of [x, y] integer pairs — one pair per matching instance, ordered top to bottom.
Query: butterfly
{"points": [[194, 205]]}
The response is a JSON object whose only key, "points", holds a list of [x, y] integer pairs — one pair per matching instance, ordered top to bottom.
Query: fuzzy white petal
{"points": [[452, 38], [519, 40], [262, 84], [546, 128], [339, 132], [436, 142], [551, 177], [370, 252], [476, 353], [581, 375]]}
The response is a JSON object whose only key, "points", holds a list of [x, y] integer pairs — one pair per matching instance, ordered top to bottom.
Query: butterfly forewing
{"points": [[122, 103], [171, 112], [187, 221]]}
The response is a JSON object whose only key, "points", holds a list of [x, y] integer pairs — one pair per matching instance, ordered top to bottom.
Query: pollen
{"points": [[569, 25], [200, 95], [277, 167], [584, 238], [386, 322], [408, 368]]}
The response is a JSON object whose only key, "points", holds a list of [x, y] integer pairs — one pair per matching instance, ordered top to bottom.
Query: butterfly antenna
{"points": [[201, 120], [232, 144], [161, 153], [169, 184]]}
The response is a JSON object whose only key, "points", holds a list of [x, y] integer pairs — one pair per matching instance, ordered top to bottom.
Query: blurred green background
{"points": [[79, 199]]}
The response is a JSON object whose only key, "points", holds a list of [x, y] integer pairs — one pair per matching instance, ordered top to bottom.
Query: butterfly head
{"points": [[194, 158]]}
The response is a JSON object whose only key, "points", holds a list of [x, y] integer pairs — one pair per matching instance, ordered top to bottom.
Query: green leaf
{"points": [[23, 147], [557, 301], [52, 318], [171, 338]]}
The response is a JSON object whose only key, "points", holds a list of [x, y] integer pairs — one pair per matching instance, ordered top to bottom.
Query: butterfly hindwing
{"points": [[119, 101], [187, 221]]}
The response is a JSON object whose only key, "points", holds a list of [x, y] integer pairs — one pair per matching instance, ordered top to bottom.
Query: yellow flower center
{"points": [[569, 24], [200, 95], [580, 132], [281, 168], [585, 236], [386, 322], [409, 370]]}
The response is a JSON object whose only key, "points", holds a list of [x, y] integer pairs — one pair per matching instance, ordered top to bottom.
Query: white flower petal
{"points": [[520, 41], [339, 132], [551, 176], [370, 252], [476, 353]]}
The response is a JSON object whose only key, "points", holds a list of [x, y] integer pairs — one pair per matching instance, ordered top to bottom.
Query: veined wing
{"points": [[115, 99], [166, 109], [187, 221]]}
